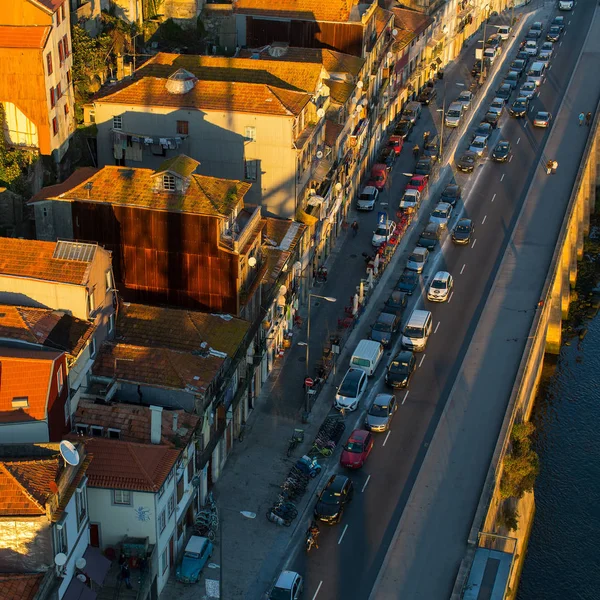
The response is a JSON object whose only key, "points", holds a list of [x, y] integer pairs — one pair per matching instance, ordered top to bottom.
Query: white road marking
{"points": [[568, 24], [560, 43], [549, 69], [525, 125], [518, 141], [510, 158], [501, 178], [493, 197], [484, 218], [473, 244], [463, 268], [449, 298], [437, 327], [421, 361], [405, 397], [386, 437], [364, 486], [343, 534], [318, 589]]}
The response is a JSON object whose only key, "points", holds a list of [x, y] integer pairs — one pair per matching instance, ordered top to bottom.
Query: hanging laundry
{"points": [[148, 140]]}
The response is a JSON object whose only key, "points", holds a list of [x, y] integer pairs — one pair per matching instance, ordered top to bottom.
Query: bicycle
{"points": [[297, 437], [325, 452], [278, 520], [205, 532]]}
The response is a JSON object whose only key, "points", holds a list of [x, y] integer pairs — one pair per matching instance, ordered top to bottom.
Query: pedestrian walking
{"points": [[581, 118], [588, 119], [425, 137], [416, 150], [355, 228], [126, 575]]}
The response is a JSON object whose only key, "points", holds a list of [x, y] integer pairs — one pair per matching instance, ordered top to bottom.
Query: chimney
{"points": [[175, 417], [155, 424]]}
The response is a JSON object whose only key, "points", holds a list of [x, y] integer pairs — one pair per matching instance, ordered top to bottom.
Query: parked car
{"points": [[504, 32], [528, 90], [427, 95], [465, 98], [518, 108], [412, 112], [453, 115], [542, 119], [403, 128], [396, 142], [478, 145], [431, 150], [501, 152], [387, 156], [466, 163], [423, 166], [378, 177], [418, 182], [451, 194], [367, 198], [410, 201], [441, 214], [462, 232], [383, 233], [430, 237], [418, 259], [408, 282], [440, 287], [396, 303], [385, 327], [400, 369], [351, 390], [381, 412], [357, 449], [333, 499], [196, 554], [289, 586]]}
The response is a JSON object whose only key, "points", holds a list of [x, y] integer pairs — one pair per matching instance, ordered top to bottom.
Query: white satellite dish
{"points": [[394, 32], [390, 54], [359, 84], [321, 112], [319, 155], [338, 186], [252, 261], [282, 290], [69, 453], [60, 560], [80, 563], [82, 577]]}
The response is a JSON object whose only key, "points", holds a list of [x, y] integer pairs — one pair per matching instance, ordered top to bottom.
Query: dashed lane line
{"points": [[463, 268], [365, 485], [343, 534]]}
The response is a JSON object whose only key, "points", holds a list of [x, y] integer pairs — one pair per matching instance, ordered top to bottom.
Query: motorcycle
{"points": [[308, 465], [311, 536]]}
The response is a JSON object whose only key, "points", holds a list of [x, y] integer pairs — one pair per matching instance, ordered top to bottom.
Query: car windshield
{"points": [[512, 75], [530, 86], [454, 113], [542, 116], [478, 144], [502, 146], [467, 158], [377, 178], [450, 192], [365, 197], [440, 213], [463, 228], [381, 231], [418, 258], [408, 276], [438, 284], [382, 326], [413, 332], [397, 366], [349, 388], [378, 410], [354, 447]]}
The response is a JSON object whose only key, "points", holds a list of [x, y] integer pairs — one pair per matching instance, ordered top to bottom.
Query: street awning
{"points": [[321, 170], [304, 217], [96, 565], [77, 590]]}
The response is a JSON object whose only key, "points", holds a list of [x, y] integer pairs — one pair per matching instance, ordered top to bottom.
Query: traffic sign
{"points": [[308, 382]]}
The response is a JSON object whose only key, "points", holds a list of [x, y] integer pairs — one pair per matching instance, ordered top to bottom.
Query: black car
{"points": [[558, 22], [553, 33], [533, 34], [494, 41], [522, 55], [518, 65], [512, 79], [504, 91], [427, 95], [519, 107], [492, 117], [403, 128], [484, 130], [432, 151], [501, 152], [387, 157], [467, 162], [423, 166], [451, 194], [463, 231], [430, 237], [408, 282], [396, 303], [385, 327], [400, 369], [332, 501]]}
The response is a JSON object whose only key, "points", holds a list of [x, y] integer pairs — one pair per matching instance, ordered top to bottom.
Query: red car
{"points": [[396, 142], [418, 182], [357, 449]]}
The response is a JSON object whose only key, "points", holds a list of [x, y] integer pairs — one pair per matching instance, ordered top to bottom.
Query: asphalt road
{"points": [[351, 554]]}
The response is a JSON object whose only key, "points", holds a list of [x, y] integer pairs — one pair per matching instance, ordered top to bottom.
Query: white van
{"points": [[536, 72], [417, 330], [366, 356]]}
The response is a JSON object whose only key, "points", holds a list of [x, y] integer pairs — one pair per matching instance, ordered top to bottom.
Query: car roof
{"points": [[542, 113], [479, 139], [418, 177], [454, 187], [369, 189], [411, 192], [443, 206], [464, 221], [432, 227], [419, 250], [441, 275], [385, 317], [403, 355], [382, 399], [358, 435], [337, 482], [195, 544], [286, 580]]}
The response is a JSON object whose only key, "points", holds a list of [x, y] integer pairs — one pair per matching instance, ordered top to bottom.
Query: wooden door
{"points": [[95, 535]]}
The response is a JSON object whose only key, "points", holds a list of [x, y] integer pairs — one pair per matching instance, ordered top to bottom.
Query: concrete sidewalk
{"points": [[432, 533]]}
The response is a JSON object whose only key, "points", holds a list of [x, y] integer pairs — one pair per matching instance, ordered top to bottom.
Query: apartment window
{"points": [[62, 11], [58, 17], [65, 42], [61, 53], [49, 62], [69, 77], [58, 91], [52, 99], [66, 108], [118, 122], [54, 126], [183, 127], [250, 134], [250, 169], [169, 183], [44, 212], [110, 284], [91, 302], [111, 323], [93, 347], [60, 379], [20, 402], [82, 429], [97, 431], [114, 434], [190, 470], [179, 490], [122, 497], [81, 505], [171, 505], [162, 521], [62, 543], [164, 561]]}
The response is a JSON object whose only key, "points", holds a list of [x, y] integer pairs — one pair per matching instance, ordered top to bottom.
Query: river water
{"points": [[563, 556]]}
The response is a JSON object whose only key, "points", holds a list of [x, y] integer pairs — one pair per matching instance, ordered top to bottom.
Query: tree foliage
{"points": [[90, 55], [13, 162], [521, 465], [508, 517]]}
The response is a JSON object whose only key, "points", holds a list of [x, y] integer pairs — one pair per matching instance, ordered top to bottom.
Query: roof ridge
{"points": [[189, 318], [167, 354], [140, 465], [25, 491]]}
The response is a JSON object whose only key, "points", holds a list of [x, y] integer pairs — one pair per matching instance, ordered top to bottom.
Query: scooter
{"points": [[309, 465]]}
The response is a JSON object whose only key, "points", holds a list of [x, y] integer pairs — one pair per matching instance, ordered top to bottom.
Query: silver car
{"points": [[528, 90], [465, 98], [497, 105], [478, 145], [441, 215], [418, 259], [380, 413]]}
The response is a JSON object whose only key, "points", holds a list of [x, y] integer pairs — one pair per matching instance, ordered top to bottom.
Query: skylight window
{"points": [[169, 183]]}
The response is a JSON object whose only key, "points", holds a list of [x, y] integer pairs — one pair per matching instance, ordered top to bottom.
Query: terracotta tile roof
{"points": [[51, 5], [338, 11], [382, 18], [411, 20], [33, 36], [332, 60], [340, 91], [332, 132], [182, 165], [80, 175], [135, 187], [283, 234], [33, 259], [275, 260], [50, 328], [178, 329], [38, 367], [157, 367], [134, 421], [127, 466], [20, 586]]}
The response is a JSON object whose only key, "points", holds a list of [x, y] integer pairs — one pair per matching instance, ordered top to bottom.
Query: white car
{"points": [[565, 5], [504, 32], [531, 48], [528, 90], [497, 106], [478, 146], [367, 198], [411, 200], [441, 215], [383, 233], [418, 259], [440, 287], [351, 390], [289, 586]]}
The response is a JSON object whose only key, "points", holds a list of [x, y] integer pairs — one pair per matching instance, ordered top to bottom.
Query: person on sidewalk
{"points": [[581, 118], [588, 119], [355, 228], [126, 575]]}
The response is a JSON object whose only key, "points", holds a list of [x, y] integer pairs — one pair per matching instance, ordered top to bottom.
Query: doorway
{"points": [[95, 535]]}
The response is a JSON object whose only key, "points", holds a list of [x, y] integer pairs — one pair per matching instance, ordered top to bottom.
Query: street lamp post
{"points": [[483, 48], [443, 111]]}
